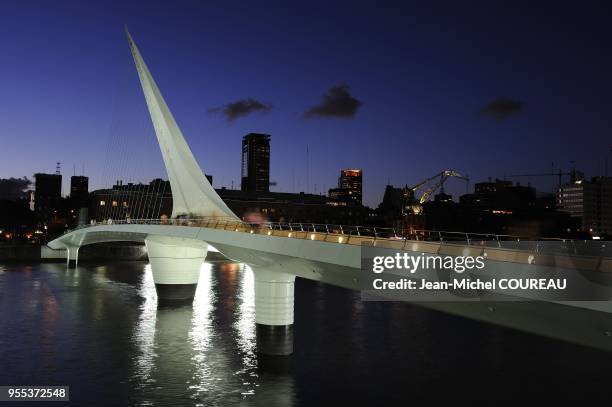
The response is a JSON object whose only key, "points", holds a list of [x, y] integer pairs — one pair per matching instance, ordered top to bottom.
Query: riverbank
{"points": [[115, 251], [33, 253]]}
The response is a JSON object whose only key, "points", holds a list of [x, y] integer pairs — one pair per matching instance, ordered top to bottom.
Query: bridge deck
{"points": [[551, 252]]}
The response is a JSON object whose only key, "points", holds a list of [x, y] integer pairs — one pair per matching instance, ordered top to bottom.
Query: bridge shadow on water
{"points": [[100, 329]]}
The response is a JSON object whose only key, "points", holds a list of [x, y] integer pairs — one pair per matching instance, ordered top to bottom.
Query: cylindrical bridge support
{"points": [[72, 256], [175, 263], [274, 311]]}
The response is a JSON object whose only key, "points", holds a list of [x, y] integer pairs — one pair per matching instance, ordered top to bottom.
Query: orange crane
{"points": [[414, 206]]}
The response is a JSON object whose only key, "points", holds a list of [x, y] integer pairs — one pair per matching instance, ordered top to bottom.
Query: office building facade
{"points": [[255, 163], [350, 187], [79, 191], [47, 194], [589, 201]]}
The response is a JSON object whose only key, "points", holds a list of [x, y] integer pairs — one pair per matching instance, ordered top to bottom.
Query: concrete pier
{"points": [[176, 265], [274, 298]]}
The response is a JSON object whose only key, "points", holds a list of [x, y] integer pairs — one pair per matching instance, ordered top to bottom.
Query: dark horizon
{"points": [[401, 91]]}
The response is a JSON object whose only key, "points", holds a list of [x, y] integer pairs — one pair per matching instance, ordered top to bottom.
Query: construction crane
{"points": [[573, 175], [414, 206]]}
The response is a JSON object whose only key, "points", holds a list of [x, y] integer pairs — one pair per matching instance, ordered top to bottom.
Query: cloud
{"points": [[337, 102], [241, 108], [502, 108]]}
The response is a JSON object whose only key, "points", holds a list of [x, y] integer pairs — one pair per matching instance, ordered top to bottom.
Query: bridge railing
{"points": [[386, 237], [582, 255]]}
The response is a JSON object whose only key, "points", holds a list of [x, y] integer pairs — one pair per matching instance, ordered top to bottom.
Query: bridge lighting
{"points": [[251, 230], [269, 232], [289, 235], [312, 236], [340, 239]]}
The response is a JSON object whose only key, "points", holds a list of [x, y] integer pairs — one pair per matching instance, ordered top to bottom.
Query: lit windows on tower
{"points": [[256, 163], [349, 187]]}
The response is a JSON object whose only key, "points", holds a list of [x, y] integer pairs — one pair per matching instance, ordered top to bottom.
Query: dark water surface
{"points": [[99, 329]]}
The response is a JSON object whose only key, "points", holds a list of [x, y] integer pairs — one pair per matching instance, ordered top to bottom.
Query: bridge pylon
{"points": [[192, 194], [175, 263], [274, 298]]}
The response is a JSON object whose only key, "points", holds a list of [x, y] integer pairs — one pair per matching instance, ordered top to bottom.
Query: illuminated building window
{"points": [[102, 203], [114, 203]]}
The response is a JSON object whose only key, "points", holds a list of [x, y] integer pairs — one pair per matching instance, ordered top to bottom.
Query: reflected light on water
{"points": [[72, 277], [245, 330], [144, 332], [200, 334], [111, 342], [209, 348]]}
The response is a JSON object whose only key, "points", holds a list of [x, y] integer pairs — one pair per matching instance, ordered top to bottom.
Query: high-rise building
{"points": [[256, 163], [349, 187], [79, 191], [47, 194], [591, 202]]}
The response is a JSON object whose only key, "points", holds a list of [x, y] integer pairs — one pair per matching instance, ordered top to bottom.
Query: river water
{"points": [[99, 330]]}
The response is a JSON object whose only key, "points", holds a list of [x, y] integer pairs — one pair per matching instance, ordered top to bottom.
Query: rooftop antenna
{"points": [[57, 168], [74, 170], [307, 170]]}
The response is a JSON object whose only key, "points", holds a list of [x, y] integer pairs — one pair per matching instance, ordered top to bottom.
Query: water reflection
{"points": [[245, 327], [99, 329], [144, 332], [201, 334], [204, 352]]}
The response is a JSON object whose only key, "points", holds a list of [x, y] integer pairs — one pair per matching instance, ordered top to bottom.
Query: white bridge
{"points": [[331, 254]]}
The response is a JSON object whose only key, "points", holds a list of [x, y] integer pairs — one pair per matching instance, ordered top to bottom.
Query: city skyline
{"points": [[416, 100]]}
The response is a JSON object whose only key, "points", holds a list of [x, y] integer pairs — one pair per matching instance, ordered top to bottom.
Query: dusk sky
{"points": [[412, 88]]}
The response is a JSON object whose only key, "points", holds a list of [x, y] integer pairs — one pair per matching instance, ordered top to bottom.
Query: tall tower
{"points": [[256, 163], [351, 180], [79, 190], [47, 194]]}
